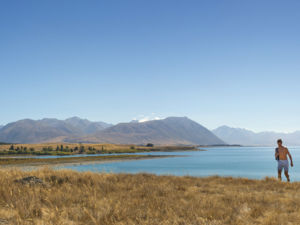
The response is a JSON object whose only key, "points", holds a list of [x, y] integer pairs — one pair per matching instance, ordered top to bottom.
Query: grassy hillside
{"points": [[72, 148], [69, 197]]}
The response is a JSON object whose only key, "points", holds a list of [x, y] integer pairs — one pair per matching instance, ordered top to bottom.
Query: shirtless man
{"points": [[281, 154]]}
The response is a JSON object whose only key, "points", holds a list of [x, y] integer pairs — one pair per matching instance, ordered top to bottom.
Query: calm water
{"points": [[251, 162]]}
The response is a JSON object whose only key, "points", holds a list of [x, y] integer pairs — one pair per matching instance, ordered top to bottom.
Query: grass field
{"points": [[75, 148], [70, 197]]}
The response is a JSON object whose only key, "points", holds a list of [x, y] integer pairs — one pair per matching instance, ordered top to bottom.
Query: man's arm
{"points": [[290, 157]]}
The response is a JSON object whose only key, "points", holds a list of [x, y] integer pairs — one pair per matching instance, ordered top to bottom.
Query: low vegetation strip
{"points": [[74, 148], [46, 161], [69, 197]]}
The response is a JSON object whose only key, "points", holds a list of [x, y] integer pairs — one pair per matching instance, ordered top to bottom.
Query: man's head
{"points": [[279, 142]]}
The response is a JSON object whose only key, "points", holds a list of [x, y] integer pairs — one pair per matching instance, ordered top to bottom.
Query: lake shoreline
{"points": [[40, 162]]}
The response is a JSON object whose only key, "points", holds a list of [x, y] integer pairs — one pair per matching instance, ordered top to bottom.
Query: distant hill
{"points": [[85, 126], [47, 130], [172, 130], [169, 131], [235, 135], [246, 137], [4, 143]]}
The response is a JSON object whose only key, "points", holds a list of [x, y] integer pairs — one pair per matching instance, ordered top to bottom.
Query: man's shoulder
{"points": [[281, 148]]}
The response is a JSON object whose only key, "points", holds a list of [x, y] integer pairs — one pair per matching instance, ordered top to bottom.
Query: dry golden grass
{"points": [[90, 198]]}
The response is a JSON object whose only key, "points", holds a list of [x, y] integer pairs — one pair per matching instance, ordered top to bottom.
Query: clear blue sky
{"points": [[217, 62]]}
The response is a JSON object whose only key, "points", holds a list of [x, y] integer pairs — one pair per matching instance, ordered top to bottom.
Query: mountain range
{"points": [[48, 130], [172, 130], [169, 131], [246, 137]]}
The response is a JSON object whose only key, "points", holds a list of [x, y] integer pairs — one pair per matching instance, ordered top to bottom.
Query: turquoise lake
{"points": [[250, 162]]}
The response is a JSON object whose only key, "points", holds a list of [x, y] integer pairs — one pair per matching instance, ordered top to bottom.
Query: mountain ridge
{"points": [[43, 130], [172, 130], [243, 136]]}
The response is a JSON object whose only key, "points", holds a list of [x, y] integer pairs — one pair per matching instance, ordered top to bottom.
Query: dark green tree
{"points": [[81, 150]]}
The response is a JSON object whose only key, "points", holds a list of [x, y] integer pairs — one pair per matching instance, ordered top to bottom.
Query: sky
{"points": [[218, 62]]}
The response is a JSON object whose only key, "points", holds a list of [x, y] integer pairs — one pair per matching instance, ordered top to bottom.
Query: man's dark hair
{"points": [[279, 141]]}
